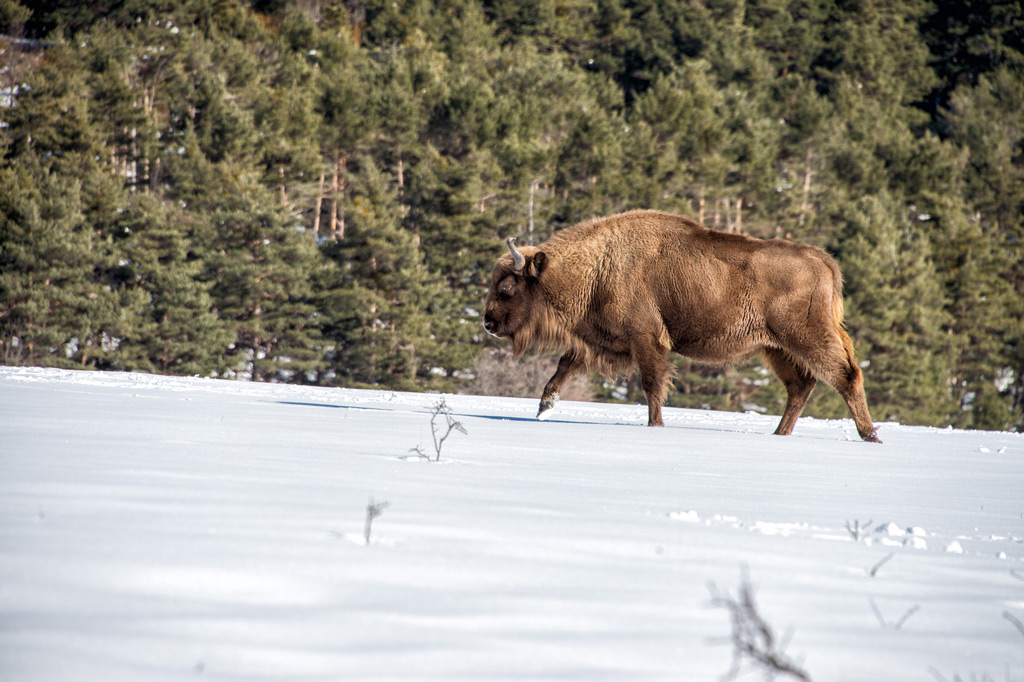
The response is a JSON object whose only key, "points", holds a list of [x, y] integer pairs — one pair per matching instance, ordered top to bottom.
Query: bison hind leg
{"points": [[834, 364], [849, 382], [799, 383]]}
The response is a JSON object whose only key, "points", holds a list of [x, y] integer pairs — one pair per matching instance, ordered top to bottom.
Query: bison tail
{"points": [[837, 295], [837, 310]]}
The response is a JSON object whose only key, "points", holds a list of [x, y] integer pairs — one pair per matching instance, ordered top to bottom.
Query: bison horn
{"points": [[518, 260]]}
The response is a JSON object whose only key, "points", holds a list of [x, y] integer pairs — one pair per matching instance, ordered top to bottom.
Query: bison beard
{"points": [[621, 292]]}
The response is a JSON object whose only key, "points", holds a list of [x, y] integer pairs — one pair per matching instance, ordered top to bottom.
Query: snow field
{"points": [[156, 528]]}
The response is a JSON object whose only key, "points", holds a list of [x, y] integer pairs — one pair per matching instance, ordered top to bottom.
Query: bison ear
{"points": [[540, 261], [537, 264]]}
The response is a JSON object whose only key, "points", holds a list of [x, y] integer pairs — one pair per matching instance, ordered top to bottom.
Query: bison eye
{"points": [[506, 288]]}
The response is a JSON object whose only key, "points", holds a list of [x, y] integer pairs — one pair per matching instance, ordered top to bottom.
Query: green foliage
{"points": [[316, 192], [895, 305], [383, 307], [56, 310], [176, 331]]}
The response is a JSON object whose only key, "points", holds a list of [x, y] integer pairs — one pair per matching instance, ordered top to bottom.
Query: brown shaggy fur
{"points": [[621, 292]]}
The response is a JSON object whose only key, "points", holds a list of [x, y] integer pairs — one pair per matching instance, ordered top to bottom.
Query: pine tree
{"points": [[968, 41], [876, 48], [342, 108], [117, 110], [687, 114], [286, 123], [531, 128], [587, 163], [58, 249], [985, 257], [261, 275], [380, 308], [56, 310], [895, 312], [985, 328], [177, 332]]}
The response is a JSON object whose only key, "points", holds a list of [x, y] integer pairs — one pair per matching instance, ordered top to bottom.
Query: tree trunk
{"points": [[133, 134], [152, 165], [401, 174], [154, 175], [533, 190], [337, 197], [805, 205], [318, 206], [333, 210]]}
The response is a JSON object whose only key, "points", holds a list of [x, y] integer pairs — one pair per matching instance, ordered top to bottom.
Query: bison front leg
{"points": [[568, 365], [655, 369]]}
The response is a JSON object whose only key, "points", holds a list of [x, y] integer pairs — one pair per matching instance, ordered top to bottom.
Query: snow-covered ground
{"points": [[157, 528]]}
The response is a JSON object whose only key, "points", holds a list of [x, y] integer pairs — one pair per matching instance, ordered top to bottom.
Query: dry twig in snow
{"points": [[752, 637]]}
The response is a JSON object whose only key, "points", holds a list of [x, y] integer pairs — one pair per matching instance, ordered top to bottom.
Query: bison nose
{"points": [[488, 326]]}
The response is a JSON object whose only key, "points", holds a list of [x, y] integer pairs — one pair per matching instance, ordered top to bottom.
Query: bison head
{"points": [[515, 291]]}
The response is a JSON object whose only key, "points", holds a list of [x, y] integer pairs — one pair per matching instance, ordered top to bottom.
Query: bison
{"points": [[621, 292]]}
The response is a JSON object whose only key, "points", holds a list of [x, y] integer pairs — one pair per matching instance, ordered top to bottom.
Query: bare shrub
{"points": [[498, 372], [440, 408], [373, 510], [857, 530], [873, 571], [1014, 621], [896, 624], [753, 639], [975, 677]]}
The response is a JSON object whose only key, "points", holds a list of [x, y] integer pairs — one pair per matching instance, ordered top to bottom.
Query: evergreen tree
{"points": [[968, 41], [876, 48], [342, 97], [116, 110], [684, 111], [286, 124], [57, 248], [985, 253], [261, 278], [380, 306], [56, 310], [895, 314], [985, 328], [178, 331]]}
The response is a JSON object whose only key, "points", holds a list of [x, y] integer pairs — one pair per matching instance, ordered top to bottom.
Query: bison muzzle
{"points": [[621, 292]]}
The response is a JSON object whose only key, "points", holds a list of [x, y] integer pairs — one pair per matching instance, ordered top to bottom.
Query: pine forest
{"points": [[316, 191]]}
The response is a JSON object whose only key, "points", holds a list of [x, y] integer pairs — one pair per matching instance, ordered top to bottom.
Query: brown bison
{"points": [[621, 292]]}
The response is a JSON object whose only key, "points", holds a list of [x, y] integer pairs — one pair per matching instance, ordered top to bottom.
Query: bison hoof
{"points": [[546, 406], [871, 437]]}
